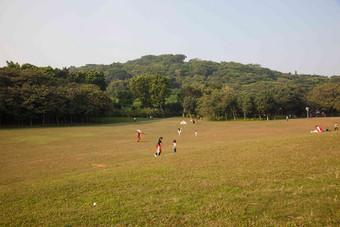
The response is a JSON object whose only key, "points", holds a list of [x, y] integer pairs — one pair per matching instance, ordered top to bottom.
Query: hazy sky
{"points": [[284, 35]]}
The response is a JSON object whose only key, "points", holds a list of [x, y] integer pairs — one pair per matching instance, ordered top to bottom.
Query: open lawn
{"points": [[232, 173]]}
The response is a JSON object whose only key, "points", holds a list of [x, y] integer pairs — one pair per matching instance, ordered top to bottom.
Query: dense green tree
{"points": [[114, 74], [90, 77], [335, 79], [116, 86], [140, 88], [151, 90], [160, 90], [29, 93], [188, 95], [326, 97], [124, 98], [290, 99], [228, 101], [3, 102], [246, 102], [265, 103], [216, 104], [189, 105], [209, 105]]}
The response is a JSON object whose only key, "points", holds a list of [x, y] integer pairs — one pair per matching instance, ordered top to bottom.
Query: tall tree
{"points": [[140, 88], [151, 90], [159, 90], [188, 95], [326, 97], [228, 101], [246, 102], [265, 103], [189, 105], [211, 105]]}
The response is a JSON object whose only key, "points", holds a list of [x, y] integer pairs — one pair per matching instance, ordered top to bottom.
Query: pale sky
{"points": [[284, 35]]}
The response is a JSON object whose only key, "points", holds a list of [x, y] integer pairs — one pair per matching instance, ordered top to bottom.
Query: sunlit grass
{"points": [[232, 173]]}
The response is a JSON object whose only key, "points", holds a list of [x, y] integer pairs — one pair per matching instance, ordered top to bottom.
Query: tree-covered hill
{"points": [[198, 71], [161, 85], [217, 90]]}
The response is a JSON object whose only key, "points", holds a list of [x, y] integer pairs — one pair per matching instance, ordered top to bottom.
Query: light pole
{"points": [[307, 108]]}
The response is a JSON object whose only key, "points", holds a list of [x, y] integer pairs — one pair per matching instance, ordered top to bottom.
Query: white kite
{"points": [[183, 123]]}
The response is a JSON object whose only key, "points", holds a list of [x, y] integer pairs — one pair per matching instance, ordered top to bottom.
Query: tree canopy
{"points": [[164, 84], [47, 95]]}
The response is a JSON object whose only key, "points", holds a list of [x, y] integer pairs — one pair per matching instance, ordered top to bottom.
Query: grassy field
{"points": [[233, 173]]}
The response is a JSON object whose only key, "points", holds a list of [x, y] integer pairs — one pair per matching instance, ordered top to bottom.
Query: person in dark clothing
{"points": [[159, 146]]}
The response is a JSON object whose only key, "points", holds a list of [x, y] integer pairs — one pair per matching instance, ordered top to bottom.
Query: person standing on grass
{"points": [[287, 117], [336, 126], [179, 131], [195, 132], [139, 133], [175, 145], [159, 146]]}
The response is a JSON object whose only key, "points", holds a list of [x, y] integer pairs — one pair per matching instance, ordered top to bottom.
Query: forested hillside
{"points": [[233, 74], [158, 86], [254, 91]]}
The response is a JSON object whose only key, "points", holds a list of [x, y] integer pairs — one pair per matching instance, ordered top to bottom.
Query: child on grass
{"points": [[174, 142], [159, 146]]}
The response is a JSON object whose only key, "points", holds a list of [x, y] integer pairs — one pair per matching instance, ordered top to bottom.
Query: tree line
{"points": [[160, 85], [43, 95], [259, 101]]}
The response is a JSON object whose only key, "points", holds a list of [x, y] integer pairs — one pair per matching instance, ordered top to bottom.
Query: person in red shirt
{"points": [[318, 129], [139, 134], [159, 146]]}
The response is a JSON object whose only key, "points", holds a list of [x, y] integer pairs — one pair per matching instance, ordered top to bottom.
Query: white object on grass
{"points": [[183, 123]]}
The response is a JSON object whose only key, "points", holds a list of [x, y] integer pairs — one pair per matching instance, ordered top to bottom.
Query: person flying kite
{"points": [[139, 135], [159, 145]]}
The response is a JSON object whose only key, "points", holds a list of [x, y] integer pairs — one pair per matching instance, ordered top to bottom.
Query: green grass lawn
{"points": [[110, 120], [233, 173]]}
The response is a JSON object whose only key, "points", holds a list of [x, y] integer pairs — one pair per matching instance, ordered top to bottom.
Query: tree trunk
{"points": [[183, 112], [244, 116], [267, 117], [43, 119], [57, 119], [31, 123]]}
